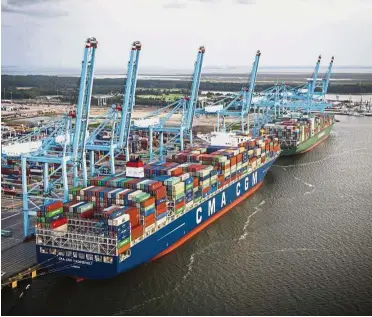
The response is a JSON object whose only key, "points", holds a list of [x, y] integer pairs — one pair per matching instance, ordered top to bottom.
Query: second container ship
{"points": [[300, 134], [125, 220]]}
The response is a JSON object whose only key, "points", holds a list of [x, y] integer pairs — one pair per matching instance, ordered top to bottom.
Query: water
{"points": [[301, 245]]}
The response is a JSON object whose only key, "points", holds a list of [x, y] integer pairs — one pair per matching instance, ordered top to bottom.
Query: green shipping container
{"points": [[142, 197], [180, 210], [54, 213], [123, 242]]}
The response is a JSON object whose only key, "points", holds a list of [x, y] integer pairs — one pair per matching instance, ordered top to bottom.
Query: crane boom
{"points": [[325, 80], [312, 82], [85, 92], [248, 94], [129, 95], [192, 100]]}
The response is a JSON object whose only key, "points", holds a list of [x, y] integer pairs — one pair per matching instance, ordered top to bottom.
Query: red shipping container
{"points": [[239, 157], [135, 164], [196, 182], [160, 192], [180, 205], [54, 206], [161, 210], [87, 214], [149, 220], [58, 223], [136, 232]]}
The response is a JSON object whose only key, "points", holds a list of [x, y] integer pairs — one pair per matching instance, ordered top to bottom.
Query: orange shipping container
{"points": [[239, 157], [233, 161], [176, 172], [196, 182], [205, 190], [148, 202], [161, 206], [149, 220], [124, 248]]}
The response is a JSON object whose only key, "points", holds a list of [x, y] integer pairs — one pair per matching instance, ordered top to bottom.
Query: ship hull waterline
{"points": [[167, 238]]}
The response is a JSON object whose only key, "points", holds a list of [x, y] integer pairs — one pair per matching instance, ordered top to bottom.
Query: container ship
{"points": [[302, 134], [124, 220]]}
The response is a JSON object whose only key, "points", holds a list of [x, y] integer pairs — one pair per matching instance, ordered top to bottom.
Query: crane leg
{"points": [[181, 138], [150, 144], [161, 145], [112, 160], [92, 166], [85, 172], [75, 174], [46, 177], [64, 180], [26, 219]]}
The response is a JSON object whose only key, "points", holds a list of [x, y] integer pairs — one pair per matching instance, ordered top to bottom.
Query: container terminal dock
{"points": [[95, 197]]}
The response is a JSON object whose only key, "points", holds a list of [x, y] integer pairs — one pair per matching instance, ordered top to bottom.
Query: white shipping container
{"points": [[137, 172], [185, 176], [83, 190], [132, 196], [189, 204], [118, 220], [161, 221]]}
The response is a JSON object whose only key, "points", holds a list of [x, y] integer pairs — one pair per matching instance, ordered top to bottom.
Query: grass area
{"points": [[166, 97]]}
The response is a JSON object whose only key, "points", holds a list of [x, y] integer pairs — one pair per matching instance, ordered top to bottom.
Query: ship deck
{"points": [[16, 255]]}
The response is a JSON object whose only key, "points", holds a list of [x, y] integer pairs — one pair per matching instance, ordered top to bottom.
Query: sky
{"points": [[51, 33]]}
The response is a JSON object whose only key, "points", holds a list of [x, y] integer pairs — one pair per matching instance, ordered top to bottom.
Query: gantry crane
{"points": [[237, 105], [117, 122], [155, 122], [62, 153]]}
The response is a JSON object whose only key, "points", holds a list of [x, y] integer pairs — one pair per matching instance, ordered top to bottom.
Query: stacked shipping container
{"points": [[127, 208]]}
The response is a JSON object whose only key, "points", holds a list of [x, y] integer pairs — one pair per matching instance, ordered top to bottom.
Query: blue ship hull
{"points": [[165, 239]]}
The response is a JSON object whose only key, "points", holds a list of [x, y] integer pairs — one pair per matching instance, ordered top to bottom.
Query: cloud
{"points": [[174, 5], [30, 8]]}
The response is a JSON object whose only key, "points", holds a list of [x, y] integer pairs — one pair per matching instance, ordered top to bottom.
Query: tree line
{"points": [[68, 87]]}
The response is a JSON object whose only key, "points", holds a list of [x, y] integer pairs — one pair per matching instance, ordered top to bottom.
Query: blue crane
{"points": [[236, 105], [117, 122], [155, 122], [62, 153]]}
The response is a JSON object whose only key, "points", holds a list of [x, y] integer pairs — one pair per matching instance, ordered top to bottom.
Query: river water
{"points": [[301, 245]]}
